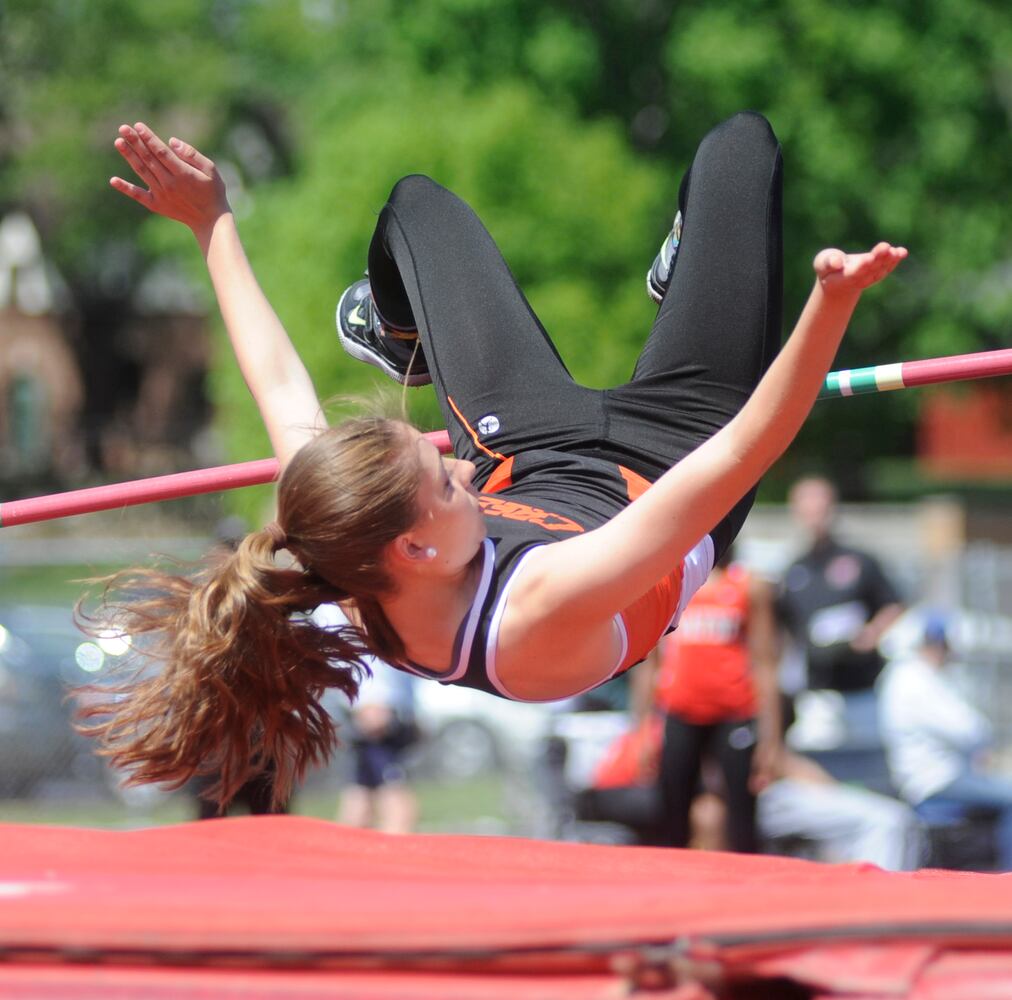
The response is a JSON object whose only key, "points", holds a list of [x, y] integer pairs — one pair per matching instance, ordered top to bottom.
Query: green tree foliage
{"points": [[71, 73], [895, 124], [566, 125]]}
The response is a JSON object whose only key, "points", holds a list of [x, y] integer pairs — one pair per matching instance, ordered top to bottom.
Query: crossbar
{"points": [[846, 382]]}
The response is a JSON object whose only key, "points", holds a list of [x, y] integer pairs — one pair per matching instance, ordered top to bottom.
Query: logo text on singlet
{"points": [[513, 511], [719, 626]]}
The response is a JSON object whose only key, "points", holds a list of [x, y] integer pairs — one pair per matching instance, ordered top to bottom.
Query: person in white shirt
{"points": [[382, 718], [935, 739], [844, 823]]}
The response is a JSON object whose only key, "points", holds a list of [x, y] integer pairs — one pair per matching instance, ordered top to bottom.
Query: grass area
{"points": [[46, 584], [445, 807], [93, 812]]}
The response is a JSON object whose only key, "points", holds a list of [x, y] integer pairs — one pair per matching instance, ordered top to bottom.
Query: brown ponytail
{"points": [[229, 670]]}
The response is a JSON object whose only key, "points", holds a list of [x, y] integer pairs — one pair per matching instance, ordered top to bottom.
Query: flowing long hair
{"points": [[229, 668]]}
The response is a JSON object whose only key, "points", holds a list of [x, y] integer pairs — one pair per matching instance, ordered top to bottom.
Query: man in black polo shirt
{"points": [[835, 601]]}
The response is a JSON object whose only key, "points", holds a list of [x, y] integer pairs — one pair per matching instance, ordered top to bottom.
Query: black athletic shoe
{"points": [[659, 275], [366, 337]]}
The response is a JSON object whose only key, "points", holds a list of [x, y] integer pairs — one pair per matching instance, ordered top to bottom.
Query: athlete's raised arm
{"points": [[184, 185], [593, 576]]}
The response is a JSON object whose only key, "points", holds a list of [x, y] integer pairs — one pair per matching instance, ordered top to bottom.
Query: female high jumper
{"points": [[567, 533]]}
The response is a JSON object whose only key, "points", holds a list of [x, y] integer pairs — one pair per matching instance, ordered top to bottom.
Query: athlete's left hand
{"points": [[182, 183], [839, 272]]}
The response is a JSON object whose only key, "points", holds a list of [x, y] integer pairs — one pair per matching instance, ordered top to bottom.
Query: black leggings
{"points": [[433, 265], [731, 745]]}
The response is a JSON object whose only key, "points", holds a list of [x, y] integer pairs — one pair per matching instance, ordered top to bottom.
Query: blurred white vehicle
{"points": [[44, 657], [463, 732], [468, 732]]}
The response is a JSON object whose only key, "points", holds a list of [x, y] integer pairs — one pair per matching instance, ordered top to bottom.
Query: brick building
{"points": [[154, 420]]}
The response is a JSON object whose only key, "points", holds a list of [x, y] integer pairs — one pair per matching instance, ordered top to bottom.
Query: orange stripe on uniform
{"points": [[470, 430], [501, 478], [635, 484], [647, 618]]}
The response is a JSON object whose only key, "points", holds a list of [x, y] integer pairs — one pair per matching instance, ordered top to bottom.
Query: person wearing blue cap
{"points": [[936, 740]]}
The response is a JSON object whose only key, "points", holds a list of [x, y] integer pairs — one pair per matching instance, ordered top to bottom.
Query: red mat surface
{"points": [[286, 906]]}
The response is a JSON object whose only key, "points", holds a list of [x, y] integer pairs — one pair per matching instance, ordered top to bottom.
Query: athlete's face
{"points": [[449, 518]]}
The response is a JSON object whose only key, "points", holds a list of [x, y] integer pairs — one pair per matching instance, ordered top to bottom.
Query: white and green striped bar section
{"points": [[857, 381]]}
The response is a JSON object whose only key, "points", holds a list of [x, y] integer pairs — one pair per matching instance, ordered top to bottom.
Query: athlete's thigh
{"points": [[718, 327], [500, 382]]}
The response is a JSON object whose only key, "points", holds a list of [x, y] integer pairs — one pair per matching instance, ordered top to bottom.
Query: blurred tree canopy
{"points": [[566, 125]]}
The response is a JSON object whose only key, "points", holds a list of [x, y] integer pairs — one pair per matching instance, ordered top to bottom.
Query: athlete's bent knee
{"points": [[747, 127], [412, 188]]}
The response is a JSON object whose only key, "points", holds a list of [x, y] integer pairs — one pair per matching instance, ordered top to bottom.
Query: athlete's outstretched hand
{"points": [[182, 184], [852, 272]]}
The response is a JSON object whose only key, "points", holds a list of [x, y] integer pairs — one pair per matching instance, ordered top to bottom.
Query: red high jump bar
{"points": [[849, 382], [179, 484]]}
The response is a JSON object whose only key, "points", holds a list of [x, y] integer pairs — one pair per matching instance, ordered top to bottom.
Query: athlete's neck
{"points": [[427, 612]]}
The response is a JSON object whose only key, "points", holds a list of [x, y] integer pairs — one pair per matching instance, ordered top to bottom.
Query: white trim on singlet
{"points": [[696, 568], [470, 627], [493, 628], [493, 641]]}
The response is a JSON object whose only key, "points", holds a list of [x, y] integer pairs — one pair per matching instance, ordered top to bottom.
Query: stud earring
{"points": [[431, 553]]}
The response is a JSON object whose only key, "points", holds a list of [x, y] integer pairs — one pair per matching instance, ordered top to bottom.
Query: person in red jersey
{"points": [[716, 686]]}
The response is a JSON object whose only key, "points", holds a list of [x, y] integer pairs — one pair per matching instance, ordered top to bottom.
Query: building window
{"points": [[26, 420]]}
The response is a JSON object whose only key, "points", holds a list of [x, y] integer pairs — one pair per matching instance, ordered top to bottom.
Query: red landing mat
{"points": [[287, 906]]}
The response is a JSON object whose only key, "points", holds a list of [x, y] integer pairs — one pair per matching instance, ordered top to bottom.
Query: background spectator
{"points": [[835, 601], [716, 688], [382, 729], [936, 740], [623, 785], [253, 797], [804, 810], [841, 822]]}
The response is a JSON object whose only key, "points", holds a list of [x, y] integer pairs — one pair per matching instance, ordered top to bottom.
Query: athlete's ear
{"points": [[406, 551]]}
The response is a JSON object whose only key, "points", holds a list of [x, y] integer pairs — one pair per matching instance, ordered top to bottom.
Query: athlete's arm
{"points": [[184, 185], [589, 578]]}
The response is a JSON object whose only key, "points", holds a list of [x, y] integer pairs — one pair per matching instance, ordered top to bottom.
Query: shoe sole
{"points": [[652, 291], [361, 353]]}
